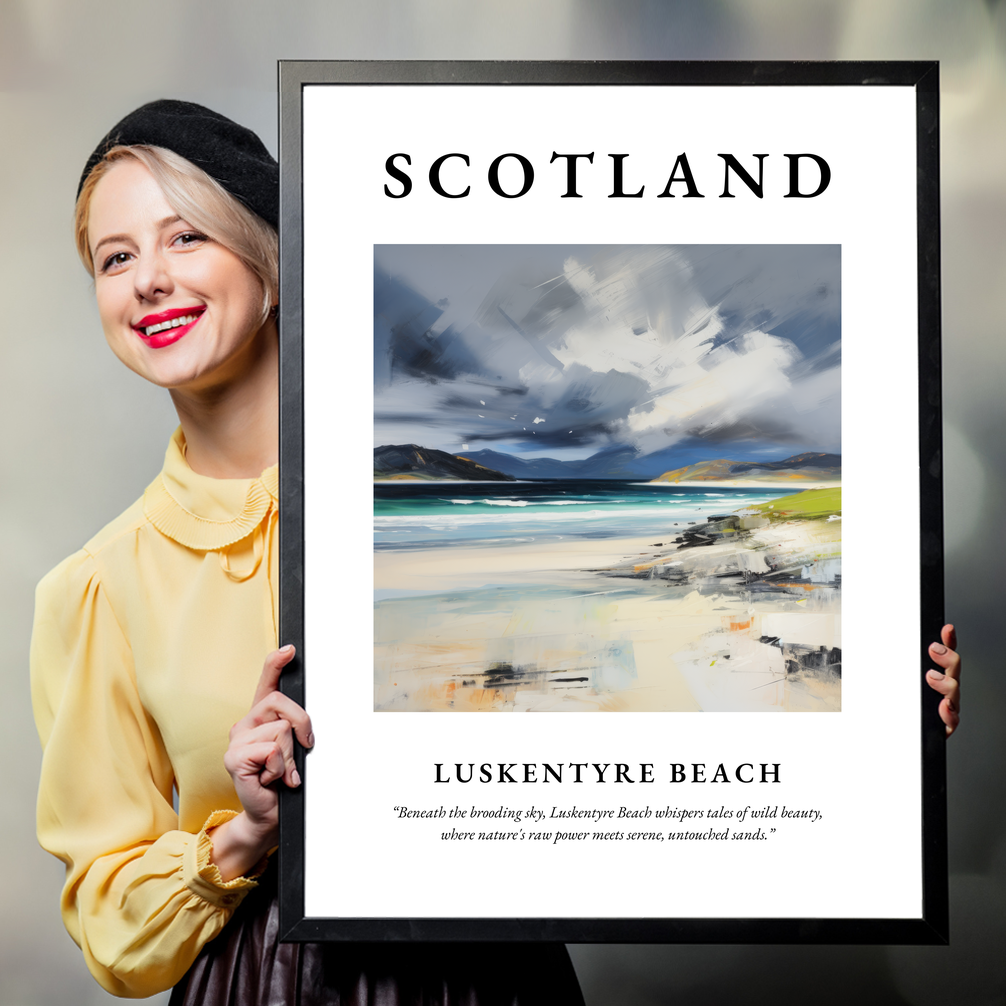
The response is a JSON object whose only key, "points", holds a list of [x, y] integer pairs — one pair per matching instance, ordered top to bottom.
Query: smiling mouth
{"points": [[185, 319], [167, 321]]}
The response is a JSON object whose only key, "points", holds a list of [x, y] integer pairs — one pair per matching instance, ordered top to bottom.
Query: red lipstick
{"points": [[165, 332]]}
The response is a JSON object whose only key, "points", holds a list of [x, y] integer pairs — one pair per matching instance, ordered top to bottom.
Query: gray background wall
{"points": [[82, 436]]}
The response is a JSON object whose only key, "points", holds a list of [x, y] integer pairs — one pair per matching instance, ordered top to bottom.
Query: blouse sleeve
{"points": [[141, 898]]}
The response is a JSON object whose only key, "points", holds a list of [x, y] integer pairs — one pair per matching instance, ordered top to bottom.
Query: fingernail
{"points": [[938, 648], [287, 649], [936, 675], [310, 740], [295, 777]]}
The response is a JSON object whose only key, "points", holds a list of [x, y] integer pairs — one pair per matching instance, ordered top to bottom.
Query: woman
{"points": [[148, 643]]}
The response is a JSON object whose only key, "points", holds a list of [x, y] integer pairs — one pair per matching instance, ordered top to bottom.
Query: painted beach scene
{"points": [[607, 478]]}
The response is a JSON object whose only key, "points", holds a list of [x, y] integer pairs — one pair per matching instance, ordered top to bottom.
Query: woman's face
{"points": [[177, 308]]}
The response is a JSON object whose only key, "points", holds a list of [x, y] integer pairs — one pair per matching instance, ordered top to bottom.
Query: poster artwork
{"points": [[618, 404], [607, 478]]}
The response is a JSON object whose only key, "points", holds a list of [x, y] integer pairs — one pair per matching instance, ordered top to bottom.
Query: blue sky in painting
{"points": [[562, 351]]}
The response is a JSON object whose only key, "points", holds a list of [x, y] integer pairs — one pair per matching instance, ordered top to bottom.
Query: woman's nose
{"points": [[152, 277]]}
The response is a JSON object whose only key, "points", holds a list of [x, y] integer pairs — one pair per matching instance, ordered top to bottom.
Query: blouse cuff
{"points": [[202, 876]]}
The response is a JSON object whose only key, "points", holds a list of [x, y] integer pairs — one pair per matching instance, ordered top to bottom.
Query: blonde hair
{"points": [[199, 200]]}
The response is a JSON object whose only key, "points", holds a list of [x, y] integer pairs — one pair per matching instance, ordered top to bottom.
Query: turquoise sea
{"points": [[410, 515]]}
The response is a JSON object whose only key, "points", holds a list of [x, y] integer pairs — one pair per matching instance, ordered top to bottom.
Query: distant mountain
{"points": [[409, 461], [623, 462], [611, 463], [799, 468]]}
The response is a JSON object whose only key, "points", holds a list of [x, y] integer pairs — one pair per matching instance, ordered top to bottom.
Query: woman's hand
{"points": [[947, 682], [260, 753]]}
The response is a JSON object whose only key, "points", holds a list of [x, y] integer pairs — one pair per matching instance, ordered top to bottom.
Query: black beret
{"points": [[230, 154]]}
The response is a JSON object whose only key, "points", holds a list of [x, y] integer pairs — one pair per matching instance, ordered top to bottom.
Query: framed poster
{"points": [[626, 335]]}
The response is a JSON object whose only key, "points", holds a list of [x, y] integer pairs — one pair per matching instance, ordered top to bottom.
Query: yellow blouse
{"points": [[147, 647]]}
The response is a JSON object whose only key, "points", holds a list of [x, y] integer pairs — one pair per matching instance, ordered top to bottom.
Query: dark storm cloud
{"points": [[574, 347]]}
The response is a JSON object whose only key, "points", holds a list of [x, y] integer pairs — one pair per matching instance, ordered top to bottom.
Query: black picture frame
{"points": [[931, 926]]}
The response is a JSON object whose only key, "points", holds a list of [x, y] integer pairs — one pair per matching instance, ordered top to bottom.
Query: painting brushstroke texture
{"points": [[607, 478]]}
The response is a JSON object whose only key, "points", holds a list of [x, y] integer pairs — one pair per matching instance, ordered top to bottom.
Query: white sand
{"points": [[545, 616]]}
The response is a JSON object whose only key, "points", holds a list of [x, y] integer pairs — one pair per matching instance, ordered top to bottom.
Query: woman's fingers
{"points": [[949, 636], [947, 658], [271, 671], [947, 682], [944, 684], [949, 688], [270, 703], [277, 706], [949, 712], [276, 735], [261, 749], [260, 761], [274, 766]]}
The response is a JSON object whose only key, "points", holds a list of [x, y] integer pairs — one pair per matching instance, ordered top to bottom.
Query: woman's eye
{"points": [[190, 238], [114, 261]]}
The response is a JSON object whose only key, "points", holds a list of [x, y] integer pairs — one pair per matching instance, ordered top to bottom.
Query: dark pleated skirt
{"points": [[246, 965]]}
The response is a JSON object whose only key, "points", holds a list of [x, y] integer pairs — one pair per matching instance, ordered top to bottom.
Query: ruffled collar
{"points": [[203, 513]]}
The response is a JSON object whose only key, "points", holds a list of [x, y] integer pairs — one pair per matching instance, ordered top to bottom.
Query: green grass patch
{"points": [[807, 505]]}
